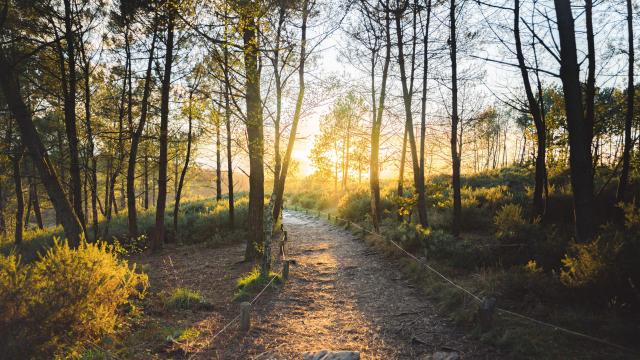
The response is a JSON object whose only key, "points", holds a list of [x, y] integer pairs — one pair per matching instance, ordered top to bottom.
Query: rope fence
{"points": [[283, 273], [471, 294]]}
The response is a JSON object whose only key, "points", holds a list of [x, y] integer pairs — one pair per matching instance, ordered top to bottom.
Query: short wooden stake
{"points": [[328, 216], [285, 270], [485, 313], [245, 316]]}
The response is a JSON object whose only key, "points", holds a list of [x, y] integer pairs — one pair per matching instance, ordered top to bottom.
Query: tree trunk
{"points": [[590, 91], [406, 95], [70, 115], [227, 121], [628, 123], [254, 135], [455, 154], [16, 158], [579, 160], [218, 162], [374, 167], [183, 173], [282, 176], [420, 187], [161, 203], [539, 205], [132, 216]]}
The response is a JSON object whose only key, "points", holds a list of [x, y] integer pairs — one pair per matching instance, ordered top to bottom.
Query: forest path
{"points": [[342, 295]]}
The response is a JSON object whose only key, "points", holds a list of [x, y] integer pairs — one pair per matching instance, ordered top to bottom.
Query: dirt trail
{"points": [[342, 295]]}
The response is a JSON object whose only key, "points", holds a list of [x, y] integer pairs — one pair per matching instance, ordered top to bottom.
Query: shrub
{"points": [[355, 205], [509, 221], [589, 263], [253, 282], [182, 298], [66, 299]]}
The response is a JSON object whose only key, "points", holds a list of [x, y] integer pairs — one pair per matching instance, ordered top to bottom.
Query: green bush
{"points": [[252, 282], [182, 298], [66, 299]]}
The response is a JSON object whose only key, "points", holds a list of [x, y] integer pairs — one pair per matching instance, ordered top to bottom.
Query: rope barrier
{"points": [[478, 299], [251, 302]]}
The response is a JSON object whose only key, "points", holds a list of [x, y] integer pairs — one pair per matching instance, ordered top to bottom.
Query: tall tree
{"points": [[407, 93], [455, 120], [628, 121], [255, 132], [136, 136], [579, 159], [282, 175], [161, 202], [539, 204]]}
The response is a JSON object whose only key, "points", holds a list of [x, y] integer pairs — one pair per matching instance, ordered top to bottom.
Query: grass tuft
{"points": [[251, 283]]}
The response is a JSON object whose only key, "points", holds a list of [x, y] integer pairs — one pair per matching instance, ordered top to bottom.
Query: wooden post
{"points": [[329, 216], [285, 270], [485, 313], [245, 316]]}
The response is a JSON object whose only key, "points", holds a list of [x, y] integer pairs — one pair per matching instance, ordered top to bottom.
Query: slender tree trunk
{"points": [[590, 91], [407, 93], [70, 115], [227, 121], [628, 123], [255, 136], [455, 154], [403, 157], [16, 158], [579, 159], [91, 161], [218, 162], [277, 167], [374, 167], [183, 173], [282, 177], [146, 182], [420, 186], [539, 205], [132, 216], [160, 231]]}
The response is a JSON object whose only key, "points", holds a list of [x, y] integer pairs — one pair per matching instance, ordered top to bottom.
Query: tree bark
{"points": [[70, 115], [227, 121], [254, 123], [455, 154], [16, 158], [579, 160], [218, 162], [374, 167], [183, 173], [282, 176], [621, 195], [539, 205], [132, 216], [158, 238]]}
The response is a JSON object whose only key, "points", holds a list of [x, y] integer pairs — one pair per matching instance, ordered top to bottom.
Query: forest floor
{"points": [[341, 295]]}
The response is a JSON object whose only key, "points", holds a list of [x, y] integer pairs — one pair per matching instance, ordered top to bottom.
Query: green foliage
{"points": [[205, 220], [509, 221], [252, 282], [182, 298], [64, 300]]}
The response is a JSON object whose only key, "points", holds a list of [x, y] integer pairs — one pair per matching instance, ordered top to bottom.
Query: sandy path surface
{"points": [[342, 295]]}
